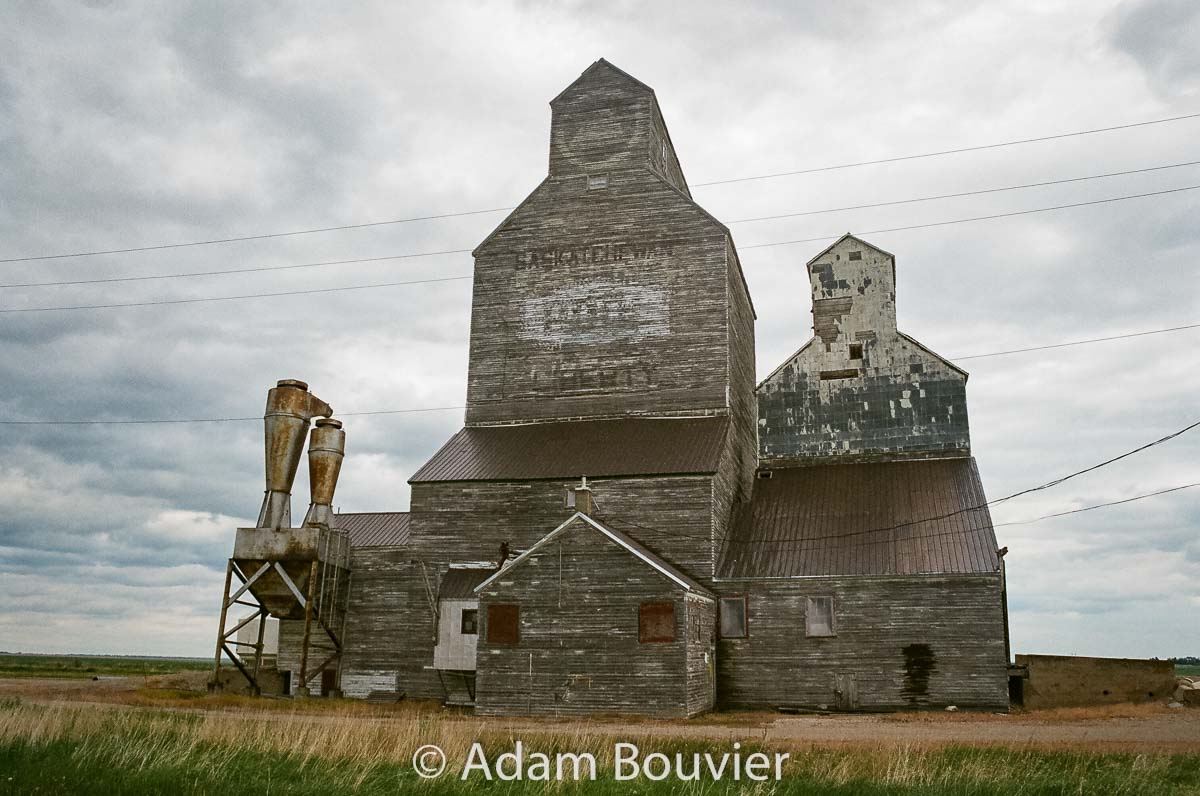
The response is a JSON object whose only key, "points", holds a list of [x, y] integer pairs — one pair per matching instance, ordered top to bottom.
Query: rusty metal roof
{"points": [[595, 448], [902, 518], [374, 529], [458, 583]]}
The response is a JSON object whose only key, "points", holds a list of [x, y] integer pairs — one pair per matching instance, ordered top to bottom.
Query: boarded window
{"points": [[598, 182], [855, 255], [856, 350], [828, 375], [733, 617], [818, 618], [469, 622], [656, 622], [503, 624]]}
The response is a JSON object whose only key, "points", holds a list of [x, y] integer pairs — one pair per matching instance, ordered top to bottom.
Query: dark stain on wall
{"points": [[919, 664]]}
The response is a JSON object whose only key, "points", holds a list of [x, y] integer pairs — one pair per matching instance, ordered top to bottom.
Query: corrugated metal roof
{"points": [[595, 448], [864, 519], [374, 529], [458, 583]]}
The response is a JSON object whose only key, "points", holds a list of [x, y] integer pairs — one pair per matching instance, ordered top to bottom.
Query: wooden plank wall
{"points": [[882, 624], [578, 652]]}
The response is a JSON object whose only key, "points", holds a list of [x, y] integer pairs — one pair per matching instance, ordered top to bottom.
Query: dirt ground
{"points": [[1117, 728]]}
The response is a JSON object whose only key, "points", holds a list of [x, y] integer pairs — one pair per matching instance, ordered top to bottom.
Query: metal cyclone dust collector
{"points": [[290, 407], [300, 574]]}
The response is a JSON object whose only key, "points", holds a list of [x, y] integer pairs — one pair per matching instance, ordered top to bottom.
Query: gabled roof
{"points": [[596, 66], [825, 251], [933, 353], [570, 449], [886, 518], [374, 529], [654, 561]]}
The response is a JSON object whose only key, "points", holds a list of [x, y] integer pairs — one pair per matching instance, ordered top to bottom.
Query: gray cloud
{"points": [[128, 124]]}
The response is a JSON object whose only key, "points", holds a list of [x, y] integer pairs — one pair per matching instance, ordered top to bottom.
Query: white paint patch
{"points": [[598, 311]]}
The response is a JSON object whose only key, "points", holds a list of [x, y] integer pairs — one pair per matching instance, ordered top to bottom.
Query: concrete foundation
{"points": [[1056, 681]]}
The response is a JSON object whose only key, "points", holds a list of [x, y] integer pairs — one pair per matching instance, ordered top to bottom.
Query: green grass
{"points": [[86, 667], [1187, 669], [86, 750]]}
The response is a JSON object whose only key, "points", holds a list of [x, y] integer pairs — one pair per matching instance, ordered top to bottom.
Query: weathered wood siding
{"points": [[591, 303], [701, 619], [906, 642], [578, 651]]}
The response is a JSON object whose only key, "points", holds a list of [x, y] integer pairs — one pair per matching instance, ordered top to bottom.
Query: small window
{"points": [[598, 183], [855, 255], [856, 350], [765, 474], [570, 501], [733, 617], [818, 618], [468, 623], [656, 623], [503, 624]]}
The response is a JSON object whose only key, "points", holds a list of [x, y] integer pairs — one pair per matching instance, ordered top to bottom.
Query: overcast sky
{"points": [[136, 124]]}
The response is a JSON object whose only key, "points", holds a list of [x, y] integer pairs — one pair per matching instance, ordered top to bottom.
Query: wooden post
{"points": [[258, 649], [215, 684], [302, 691]]}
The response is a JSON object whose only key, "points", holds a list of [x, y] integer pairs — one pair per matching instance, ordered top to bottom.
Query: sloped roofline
{"points": [[595, 65], [852, 236], [933, 353], [782, 364], [683, 581]]}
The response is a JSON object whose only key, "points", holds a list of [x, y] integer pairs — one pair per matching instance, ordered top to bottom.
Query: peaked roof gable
{"points": [[597, 66], [853, 237], [621, 539]]}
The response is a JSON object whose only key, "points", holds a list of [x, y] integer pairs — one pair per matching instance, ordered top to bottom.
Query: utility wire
{"points": [[944, 152], [979, 192], [978, 218], [251, 237], [234, 239], [237, 270], [231, 271], [423, 281], [234, 298], [1076, 342], [445, 408], [1097, 506], [947, 515], [870, 542]]}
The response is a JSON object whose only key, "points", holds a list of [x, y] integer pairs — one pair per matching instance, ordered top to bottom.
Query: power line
{"points": [[939, 153], [961, 193], [979, 218], [263, 236], [237, 270], [234, 271], [422, 281], [235, 298], [1076, 342], [444, 408], [209, 419], [1097, 506], [947, 515]]}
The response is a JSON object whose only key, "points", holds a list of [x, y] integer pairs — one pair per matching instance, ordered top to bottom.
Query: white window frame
{"points": [[809, 611]]}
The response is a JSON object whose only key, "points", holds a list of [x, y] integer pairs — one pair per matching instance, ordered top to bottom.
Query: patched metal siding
{"points": [[904, 518]]}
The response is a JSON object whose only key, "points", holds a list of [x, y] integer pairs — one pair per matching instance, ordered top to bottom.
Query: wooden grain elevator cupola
{"points": [[607, 121]]}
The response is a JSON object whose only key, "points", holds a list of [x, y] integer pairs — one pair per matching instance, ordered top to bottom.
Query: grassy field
{"points": [[81, 666], [1190, 670], [92, 749]]}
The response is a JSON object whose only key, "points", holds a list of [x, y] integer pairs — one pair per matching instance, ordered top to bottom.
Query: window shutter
{"points": [[656, 622], [503, 624]]}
